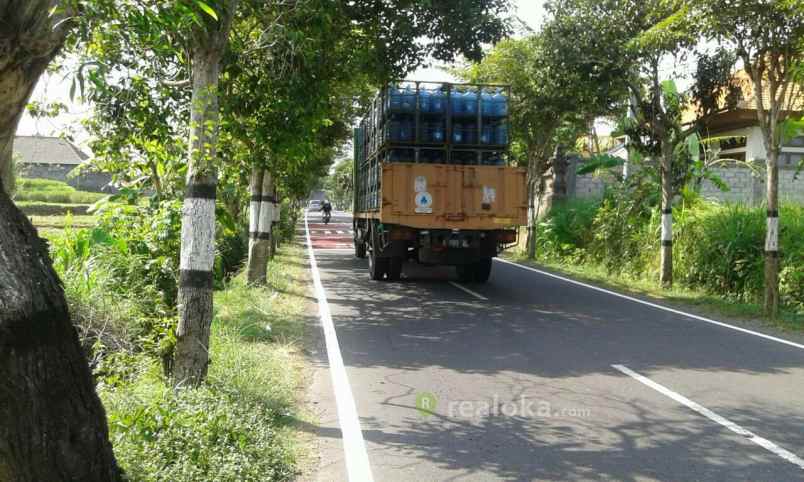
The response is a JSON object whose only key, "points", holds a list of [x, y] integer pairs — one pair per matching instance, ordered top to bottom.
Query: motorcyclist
{"points": [[326, 208]]}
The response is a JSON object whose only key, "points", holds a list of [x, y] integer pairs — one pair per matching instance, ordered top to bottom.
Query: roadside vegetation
{"points": [[51, 191], [53, 205], [718, 256], [120, 284]]}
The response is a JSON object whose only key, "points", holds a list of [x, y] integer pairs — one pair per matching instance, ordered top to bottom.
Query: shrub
{"points": [[50, 191], [288, 218], [625, 229], [567, 230], [717, 248], [720, 249], [208, 433]]}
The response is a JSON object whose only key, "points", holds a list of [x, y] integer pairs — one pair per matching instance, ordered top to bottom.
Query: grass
{"points": [[50, 191], [38, 208], [59, 222], [681, 297], [241, 424]]}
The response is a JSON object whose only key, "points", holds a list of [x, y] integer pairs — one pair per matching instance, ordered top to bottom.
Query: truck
{"points": [[432, 182]]}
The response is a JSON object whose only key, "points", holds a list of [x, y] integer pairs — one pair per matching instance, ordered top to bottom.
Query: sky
{"points": [[56, 88]]}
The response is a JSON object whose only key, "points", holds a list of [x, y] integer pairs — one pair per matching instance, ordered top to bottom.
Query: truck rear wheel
{"points": [[360, 249], [378, 267], [394, 268], [482, 270], [465, 272], [476, 272]]}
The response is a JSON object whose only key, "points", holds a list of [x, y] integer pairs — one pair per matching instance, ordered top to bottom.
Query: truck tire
{"points": [[360, 249], [378, 267], [394, 268], [481, 270], [465, 272]]}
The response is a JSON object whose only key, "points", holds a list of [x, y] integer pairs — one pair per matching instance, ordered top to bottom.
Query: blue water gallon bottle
{"points": [[425, 97], [394, 99], [408, 99], [456, 102], [437, 103], [470, 103], [500, 104], [487, 106], [405, 130], [437, 132], [470, 133], [457, 134], [487, 134], [502, 134]]}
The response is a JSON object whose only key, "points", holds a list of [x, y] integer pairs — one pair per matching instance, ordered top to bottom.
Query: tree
{"points": [[640, 36], [768, 37], [209, 42], [554, 90], [340, 183], [52, 423]]}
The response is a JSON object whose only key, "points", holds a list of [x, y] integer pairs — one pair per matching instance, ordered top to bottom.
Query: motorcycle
{"points": [[327, 216]]}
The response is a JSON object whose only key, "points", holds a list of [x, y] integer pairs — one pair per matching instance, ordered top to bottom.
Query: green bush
{"points": [[50, 191], [288, 218], [567, 231], [717, 248], [720, 249], [129, 266], [118, 306], [238, 425], [208, 433]]}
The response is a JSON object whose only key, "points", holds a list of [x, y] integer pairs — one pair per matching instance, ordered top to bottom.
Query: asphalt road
{"points": [[529, 377]]}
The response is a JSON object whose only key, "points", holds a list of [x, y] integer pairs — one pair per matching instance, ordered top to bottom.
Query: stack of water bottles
{"points": [[428, 117]]}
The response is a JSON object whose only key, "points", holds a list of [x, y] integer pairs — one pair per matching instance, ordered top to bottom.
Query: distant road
{"points": [[531, 377]]}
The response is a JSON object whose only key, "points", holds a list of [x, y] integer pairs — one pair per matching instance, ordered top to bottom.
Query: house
{"points": [[742, 152], [56, 158]]}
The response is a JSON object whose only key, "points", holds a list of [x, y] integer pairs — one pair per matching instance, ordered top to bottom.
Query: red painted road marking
{"points": [[330, 236]]}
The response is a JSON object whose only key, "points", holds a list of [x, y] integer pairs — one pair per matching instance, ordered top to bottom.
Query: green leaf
{"points": [[207, 9], [669, 88], [792, 128], [694, 147], [602, 161]]}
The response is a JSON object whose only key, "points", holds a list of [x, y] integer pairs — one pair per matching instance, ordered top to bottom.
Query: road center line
{"points": [[467, 290], [654, 305], [762, 442], [358, 467]]}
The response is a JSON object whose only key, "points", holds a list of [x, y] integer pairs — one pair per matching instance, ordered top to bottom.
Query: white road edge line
{"points": [[467, 290], [654, 305], [762, 442], [358, 467]]}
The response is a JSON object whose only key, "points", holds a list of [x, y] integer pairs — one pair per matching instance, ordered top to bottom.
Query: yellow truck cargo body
{"points": [[443, 196]]}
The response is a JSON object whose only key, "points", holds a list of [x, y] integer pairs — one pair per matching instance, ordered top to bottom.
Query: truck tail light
{"points": [[508, 236]]}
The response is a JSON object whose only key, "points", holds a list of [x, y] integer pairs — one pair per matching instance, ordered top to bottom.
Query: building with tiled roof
{"points": [[56, 158]]}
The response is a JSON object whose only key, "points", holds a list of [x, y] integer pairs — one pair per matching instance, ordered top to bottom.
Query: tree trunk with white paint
{"points": [[533, 190], [261, 218], [666, 266], [771, 304], [191, 357], [52, 423]]}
